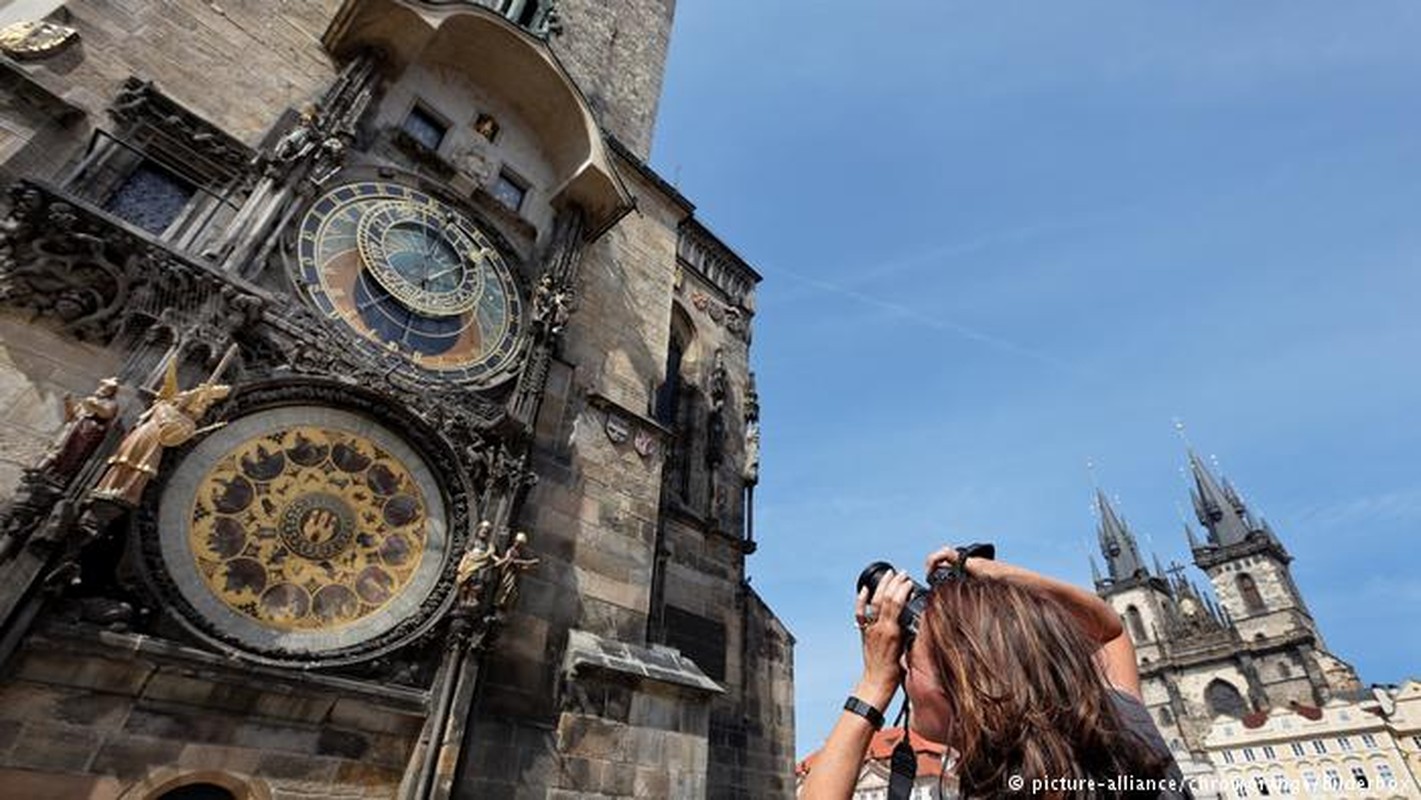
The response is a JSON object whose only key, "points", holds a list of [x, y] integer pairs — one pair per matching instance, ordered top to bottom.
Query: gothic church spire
{"points": [[1219, 509], [1117, 543]]}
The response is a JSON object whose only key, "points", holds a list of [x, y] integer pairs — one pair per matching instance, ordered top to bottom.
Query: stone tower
{"points": [[426, 468], [1245, 562], [1140, 597]]}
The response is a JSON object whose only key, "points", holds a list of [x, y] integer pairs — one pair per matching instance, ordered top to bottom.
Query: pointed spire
{"points": [[1216, 508], [1189, 534], [1117, 544], [1159, 570], [1095, 572]]}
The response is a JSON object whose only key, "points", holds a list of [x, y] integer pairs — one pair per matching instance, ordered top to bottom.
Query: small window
{"points": [[486, 126], [424, 127], [509, 191], [150, 198], [1248, 590], [1369, 741], [1344, 743], [1319, 746], [1298, 749], [1269, 753], [1248, 754], [1228, 756], [1384, 774], [1359, 777], [1333, 780], [1310, 782], [1261, 783], [1285, 785], [1240, 788]]}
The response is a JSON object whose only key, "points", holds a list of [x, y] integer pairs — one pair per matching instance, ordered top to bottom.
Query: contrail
{"points": [[935, 323]]}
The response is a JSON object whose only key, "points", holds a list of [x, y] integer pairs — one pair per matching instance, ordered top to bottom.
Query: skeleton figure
{"points": [[510, 568]]}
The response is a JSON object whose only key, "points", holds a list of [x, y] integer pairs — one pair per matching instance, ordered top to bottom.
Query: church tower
{"points": [[1246, 562], [1140, 597]]}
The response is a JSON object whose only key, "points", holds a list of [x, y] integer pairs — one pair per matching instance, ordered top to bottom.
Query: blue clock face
{"points": [[411, 274]]}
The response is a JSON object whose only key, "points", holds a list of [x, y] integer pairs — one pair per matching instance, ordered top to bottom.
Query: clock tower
{"points": [[383, 423]]}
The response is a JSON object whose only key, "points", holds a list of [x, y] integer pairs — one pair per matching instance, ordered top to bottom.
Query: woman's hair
{"points": [[1023, 693]]}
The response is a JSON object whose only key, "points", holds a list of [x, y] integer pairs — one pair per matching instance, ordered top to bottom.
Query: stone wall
{"points": [[616, 51], [38, 366], [105, 712]]}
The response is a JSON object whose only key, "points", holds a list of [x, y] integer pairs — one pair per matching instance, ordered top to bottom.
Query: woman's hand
{"points": [[946, 556], [882, 638]]}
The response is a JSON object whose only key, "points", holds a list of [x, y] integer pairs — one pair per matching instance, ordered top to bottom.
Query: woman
{"points": [[1025, 679]]}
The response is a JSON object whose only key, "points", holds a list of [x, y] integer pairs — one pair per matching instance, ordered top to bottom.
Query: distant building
{"points": [[1348, 748], [877, 767]]}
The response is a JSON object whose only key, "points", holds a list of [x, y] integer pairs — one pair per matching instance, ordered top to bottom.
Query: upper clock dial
{"points": [[412, 274]]}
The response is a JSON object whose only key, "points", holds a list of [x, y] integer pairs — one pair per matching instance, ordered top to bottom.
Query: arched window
{"points": [[1248, 590], [1136, 622], [1284, 671], [1223, 698], [1165, 717], [198, 791]]}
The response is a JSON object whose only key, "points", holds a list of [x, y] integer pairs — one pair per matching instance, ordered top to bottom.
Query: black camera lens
{"points": [[912, 611]]}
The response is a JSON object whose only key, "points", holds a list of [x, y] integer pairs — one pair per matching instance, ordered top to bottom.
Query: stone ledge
{"points": [[80, 639], [657, 664]]}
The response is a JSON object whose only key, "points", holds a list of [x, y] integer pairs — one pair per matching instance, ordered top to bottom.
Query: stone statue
{"points": [[298, 143], [552, 305], [170, 421], [86, 423], [477, 558], [511, 567]]}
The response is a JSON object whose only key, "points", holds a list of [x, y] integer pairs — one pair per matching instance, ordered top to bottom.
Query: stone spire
{"points": [[1218, 509], [1117, 544]]}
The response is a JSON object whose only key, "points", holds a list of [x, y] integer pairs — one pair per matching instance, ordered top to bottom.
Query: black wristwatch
{"points": [[868, 712]]}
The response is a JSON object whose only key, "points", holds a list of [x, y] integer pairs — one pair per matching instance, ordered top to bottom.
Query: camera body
{"points": [[911, 615]]}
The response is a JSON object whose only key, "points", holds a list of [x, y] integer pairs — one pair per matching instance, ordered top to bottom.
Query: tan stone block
{"points": [[120, 677], [217, 757]]}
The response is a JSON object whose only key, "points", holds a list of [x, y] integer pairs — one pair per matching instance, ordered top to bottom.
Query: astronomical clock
{"points": [[408, 273], [300, 533]]}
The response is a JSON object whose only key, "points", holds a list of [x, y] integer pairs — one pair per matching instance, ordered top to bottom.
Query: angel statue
{"points": [[170, 421], [86, 422], [477, 558]]}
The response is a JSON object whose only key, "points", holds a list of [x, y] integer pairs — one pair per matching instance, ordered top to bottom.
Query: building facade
{"points": [[376, 421], [1364, 748]]}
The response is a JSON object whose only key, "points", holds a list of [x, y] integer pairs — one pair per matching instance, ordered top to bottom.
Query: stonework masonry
{"points": [[270, 197]]}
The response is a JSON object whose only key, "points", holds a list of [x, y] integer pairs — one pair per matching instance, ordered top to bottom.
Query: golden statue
{"points": [[170, 421], [477, 558], [510, 569]]}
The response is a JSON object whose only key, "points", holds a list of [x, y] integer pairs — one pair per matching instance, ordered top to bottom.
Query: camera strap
{"points": [[904, 763]]}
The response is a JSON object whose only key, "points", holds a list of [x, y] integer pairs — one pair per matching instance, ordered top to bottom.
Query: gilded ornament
{"points": [[35, 39]]}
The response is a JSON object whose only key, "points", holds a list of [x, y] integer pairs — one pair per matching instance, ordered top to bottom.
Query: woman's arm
{"points": [[1116, 654], [836, 770]]}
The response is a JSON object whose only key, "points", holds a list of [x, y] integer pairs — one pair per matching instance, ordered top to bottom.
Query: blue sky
{"points": [[1001, 240]]}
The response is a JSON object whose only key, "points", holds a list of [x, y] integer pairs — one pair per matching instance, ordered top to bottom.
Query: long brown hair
{"points": [[1023, 693]]}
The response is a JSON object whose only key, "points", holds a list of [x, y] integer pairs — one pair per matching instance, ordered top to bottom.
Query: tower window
{"points": [[424, 127], [510, 191], [150, 198], [1248, 590], [1137, 623], [1223, 698], [1359, 777]]}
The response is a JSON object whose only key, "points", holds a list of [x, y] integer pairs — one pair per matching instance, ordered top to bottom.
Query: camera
{"points": [[912, 612]]}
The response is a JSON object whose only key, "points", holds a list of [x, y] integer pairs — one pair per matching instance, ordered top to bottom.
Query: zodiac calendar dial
{"points": [[410, 273], [303, 531]]}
